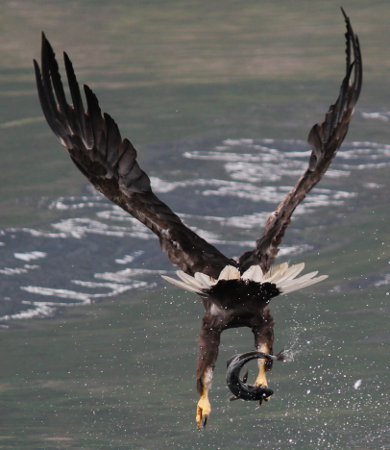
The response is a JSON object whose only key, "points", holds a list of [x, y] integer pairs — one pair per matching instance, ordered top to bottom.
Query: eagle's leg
{"points": [[264, 339], [209, 340]]}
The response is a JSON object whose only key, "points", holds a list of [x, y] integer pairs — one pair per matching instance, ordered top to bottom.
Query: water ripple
{"points": [[75, 257]]}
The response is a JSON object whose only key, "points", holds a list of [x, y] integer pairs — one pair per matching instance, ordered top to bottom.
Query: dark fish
{"points": [[239, 388]]}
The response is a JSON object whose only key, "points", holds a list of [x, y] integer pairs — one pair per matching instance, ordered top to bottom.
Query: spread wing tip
{"points": [[324, 139], [94, 143]]}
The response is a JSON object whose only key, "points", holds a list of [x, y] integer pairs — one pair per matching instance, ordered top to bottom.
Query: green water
{"points": [[120, 373]]}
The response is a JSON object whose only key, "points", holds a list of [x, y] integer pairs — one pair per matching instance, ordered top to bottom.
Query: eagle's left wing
{"points": [[325, 139], [96, 147]]}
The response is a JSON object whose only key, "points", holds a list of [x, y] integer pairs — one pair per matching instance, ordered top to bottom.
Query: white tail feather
{"points": [[275, 271], [229, 273], [254, 273], [290, 273], [283, 276], [307, 276], [188, 279], [205, 280], [181, 284], [302, 284]]}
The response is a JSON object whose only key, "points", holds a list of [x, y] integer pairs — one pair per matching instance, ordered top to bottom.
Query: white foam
{"points": [[383, 116], [21, 122], [255, 161], [260, 171], [164, 186], [63, 205], [80, 227], [39, 233], [30, 256], [126, 259], [18, 270], [12, 271], [126, 275], [385, 281], [110, 290], [58, 293], [40, 309]]}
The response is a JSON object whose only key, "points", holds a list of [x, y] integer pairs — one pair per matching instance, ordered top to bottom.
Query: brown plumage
{"points": [[96, 147]]}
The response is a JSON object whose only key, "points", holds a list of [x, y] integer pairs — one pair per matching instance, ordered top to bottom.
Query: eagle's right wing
{"points": [[325, 139], [96, 147]]}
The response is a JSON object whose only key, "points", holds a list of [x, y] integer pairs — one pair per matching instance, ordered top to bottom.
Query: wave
{"points": [[47, 268]]}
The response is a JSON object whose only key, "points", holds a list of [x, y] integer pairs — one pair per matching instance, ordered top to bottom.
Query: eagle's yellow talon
{"points": [[261, 381], [203, 411]]}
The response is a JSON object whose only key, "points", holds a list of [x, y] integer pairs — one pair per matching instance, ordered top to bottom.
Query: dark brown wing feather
{"points": [[324, 139], [96, 147]]}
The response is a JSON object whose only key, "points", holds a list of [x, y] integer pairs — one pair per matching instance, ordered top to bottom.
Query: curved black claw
{"points": [[239, 388]]}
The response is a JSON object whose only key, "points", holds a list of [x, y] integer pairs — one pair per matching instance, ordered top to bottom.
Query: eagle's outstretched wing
{"points": [[324, 139], [96, 147]]}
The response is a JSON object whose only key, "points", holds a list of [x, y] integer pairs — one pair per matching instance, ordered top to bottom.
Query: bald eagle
{"points": [[235, 293]]}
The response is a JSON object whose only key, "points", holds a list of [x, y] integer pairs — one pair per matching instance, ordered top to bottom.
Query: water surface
{"points": [[96, 351]]}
